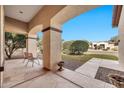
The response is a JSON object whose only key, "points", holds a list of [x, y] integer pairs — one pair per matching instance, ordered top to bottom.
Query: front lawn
{"points": [[84, 58]]}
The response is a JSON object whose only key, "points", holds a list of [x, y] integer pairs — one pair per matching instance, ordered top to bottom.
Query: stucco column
{"points": [[121, 37], [1, 44], [32, 44], [51, 47], [26, 50]]}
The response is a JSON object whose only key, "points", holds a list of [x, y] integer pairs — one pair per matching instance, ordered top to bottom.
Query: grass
{"points": [[84, 58]]}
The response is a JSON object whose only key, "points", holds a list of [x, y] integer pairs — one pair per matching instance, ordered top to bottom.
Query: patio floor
{"points": [[17, 72], [19, 76], [49, 80]]}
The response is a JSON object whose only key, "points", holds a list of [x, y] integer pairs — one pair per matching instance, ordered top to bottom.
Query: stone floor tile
{"points": [[49, 80], [81, 80]]}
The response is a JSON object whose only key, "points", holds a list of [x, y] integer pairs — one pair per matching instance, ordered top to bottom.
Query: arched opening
{"points": [[91, 25], [19, 69]]}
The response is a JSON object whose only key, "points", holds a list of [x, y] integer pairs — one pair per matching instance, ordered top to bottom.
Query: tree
{"points": [[115, 40], [13, 42], [66, 45], [40, 46], [78, 47]]}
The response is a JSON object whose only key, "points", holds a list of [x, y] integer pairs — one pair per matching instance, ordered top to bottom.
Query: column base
{"points": [[46, 69]]}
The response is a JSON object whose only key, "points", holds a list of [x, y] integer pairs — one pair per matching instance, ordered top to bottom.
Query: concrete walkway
{"points": [[90, 68], [84, 76], [82, 80]]}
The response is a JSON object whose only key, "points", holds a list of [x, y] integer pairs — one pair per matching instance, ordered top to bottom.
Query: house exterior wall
{"points": [[12, 25], [121, 37], [1, 42], [101, 43], [32, 44], [106, 44], [113, 46], [51, 47], [55, 49], [46, 50]]}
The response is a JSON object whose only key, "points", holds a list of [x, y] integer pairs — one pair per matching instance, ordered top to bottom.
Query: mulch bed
{"points": [[102, 74]]}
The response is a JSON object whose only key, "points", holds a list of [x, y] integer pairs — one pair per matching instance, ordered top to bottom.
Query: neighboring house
{"points": [[104, 46]]}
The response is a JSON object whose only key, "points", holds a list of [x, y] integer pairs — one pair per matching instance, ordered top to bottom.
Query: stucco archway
{"points": [[54, 31], [31, 42]]}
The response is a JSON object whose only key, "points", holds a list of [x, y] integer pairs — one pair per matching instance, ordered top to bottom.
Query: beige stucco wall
{"points": [[71, 11], [44, 15], [12, 25], [36, 29], [121, 37], [1, 42], [32, 45], [51, 49], [55, 49], [46, 50]]}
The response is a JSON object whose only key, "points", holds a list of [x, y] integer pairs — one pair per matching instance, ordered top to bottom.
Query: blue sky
{"points": [[94, 25]]}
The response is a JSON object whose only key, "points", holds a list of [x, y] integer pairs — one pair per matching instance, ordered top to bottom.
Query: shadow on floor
{"points": [[72, 65]]}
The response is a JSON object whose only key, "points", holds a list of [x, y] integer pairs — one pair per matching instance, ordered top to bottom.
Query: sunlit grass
{"points": [[84, 58]]}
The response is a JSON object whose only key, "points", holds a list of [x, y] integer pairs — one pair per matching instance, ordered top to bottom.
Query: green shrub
{"points": [[67, 44], [78, 47], [66, 51]]}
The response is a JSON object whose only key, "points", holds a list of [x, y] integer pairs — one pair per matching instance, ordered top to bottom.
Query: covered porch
{"points": [[48, 19]]}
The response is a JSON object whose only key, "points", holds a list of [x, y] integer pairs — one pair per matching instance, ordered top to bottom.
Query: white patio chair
{"points": [[32, 59]]}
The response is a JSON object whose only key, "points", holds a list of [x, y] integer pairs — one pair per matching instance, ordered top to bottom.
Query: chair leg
{"points": [[38, 62], [27, 63], [32, 63]]}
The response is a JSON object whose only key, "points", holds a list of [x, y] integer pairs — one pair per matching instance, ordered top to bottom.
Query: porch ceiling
{"points": [[22, 12], [116, 15]]}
